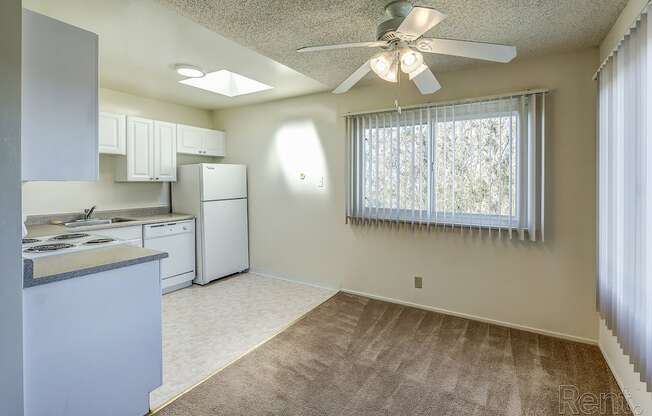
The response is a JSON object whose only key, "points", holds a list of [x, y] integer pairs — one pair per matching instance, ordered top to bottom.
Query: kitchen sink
{"points": [[119, 219], [96, 221]]}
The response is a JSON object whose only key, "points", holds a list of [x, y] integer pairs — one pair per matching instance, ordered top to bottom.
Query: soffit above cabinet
{"points": [[142, 40]]}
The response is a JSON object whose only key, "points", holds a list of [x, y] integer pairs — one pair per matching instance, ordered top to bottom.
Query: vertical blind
{"points": [[473, 165], [625, 196]]}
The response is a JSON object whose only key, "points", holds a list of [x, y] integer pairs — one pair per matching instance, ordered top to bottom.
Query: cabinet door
{"points": [[59, 124], [113, 133], [190, 140], [214, 143], [140, 149], [165, 151]]}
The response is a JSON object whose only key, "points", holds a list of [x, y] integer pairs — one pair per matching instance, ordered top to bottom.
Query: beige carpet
{"points": [[207, 327], [357, 356]]}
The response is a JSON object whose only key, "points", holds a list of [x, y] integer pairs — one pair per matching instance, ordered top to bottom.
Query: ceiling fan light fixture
{"points": [[410, 60], [384, 65]]}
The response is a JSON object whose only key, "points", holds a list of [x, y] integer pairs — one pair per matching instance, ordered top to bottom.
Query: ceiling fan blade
{"points": [[419, 21], [374, 44], [474, 50], [353, 79], [425, 80]]}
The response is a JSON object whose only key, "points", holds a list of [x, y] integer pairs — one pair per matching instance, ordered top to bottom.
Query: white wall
{"points": [[63, 197], [298, 231], [11, 276], [619, 362]]}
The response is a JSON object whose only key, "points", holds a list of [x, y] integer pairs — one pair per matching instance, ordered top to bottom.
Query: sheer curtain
{"points": [[472, 165], [625, 196]]}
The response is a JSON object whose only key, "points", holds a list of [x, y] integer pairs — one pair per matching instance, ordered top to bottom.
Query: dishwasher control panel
{"points": [[168, 229]]}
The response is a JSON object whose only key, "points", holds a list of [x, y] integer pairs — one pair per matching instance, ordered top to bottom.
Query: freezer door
{"points": [[222, 181], [225, 245]]}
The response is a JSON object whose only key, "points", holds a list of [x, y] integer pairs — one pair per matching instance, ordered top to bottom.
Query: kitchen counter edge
{"points": [[84, 263]]}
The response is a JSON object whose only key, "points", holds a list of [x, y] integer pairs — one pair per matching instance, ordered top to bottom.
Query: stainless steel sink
{"points": [[119, 219], [96, 221], [87, 223]]}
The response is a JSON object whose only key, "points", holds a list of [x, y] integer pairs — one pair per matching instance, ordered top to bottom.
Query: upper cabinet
{"points": [[59, 121], [113, 133], [197, 141], [148, 149], [165, 151], [151, 152]]}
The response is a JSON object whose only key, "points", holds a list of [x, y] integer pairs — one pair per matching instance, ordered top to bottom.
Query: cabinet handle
{"points": [[157, 179]]}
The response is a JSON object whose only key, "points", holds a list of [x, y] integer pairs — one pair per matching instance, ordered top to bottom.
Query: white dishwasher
{"points": [[178, 240]]}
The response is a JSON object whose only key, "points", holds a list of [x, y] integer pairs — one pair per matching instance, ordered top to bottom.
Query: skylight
{"points": [[226, 83]]}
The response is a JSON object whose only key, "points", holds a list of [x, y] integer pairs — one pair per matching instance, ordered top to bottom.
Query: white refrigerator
{"points": [[216, 194]]}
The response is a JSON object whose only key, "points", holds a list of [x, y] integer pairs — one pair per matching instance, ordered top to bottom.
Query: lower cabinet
{"points": [[93, 344]]}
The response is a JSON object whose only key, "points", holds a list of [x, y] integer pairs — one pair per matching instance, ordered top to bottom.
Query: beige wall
{"points": [[61, 197], [298, 231]]}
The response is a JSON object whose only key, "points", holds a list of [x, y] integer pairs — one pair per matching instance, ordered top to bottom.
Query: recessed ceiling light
{"points": [[189, 71], [226, 83]]}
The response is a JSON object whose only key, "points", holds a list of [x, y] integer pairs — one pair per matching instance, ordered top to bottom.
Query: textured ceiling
{"points": [[276, 28], [142, 40]]}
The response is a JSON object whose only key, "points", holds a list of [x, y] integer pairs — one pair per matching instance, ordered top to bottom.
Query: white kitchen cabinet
{"points": [[59, 123], [113, 133], [190, 140], [198, 141], [214, 143], [165, 151], [151, 152]]}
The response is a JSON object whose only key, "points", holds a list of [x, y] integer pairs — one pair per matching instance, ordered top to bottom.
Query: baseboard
{"points": [[289, 279], [435, 309], [476, 318], [619, 381], [635, 391]]}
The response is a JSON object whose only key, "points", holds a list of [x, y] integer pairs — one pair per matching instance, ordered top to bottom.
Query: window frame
{"points": [[433, 216]]}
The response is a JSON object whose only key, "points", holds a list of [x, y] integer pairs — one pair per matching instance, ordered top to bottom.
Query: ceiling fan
{"points": [[401, 40]]}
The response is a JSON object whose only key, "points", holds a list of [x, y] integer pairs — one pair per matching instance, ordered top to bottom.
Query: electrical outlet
{"points": [[418, 282]]}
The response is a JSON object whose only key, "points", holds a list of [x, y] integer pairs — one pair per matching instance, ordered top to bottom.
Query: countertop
{"points": [[41, 230], [47, 269]]}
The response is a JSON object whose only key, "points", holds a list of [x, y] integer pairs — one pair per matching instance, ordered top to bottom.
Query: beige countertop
{"points": [[40, 230], [58, 267], [48, 269]]}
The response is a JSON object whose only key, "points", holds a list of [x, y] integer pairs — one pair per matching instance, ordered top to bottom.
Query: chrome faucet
{"points": [[88, 212]]}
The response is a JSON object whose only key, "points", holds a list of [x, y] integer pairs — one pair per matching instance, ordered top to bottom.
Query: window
{"points": [[475, 164]]}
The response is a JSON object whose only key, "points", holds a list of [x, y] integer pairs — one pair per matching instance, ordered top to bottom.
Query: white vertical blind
{"points": [[468, 165], [625, 196]]}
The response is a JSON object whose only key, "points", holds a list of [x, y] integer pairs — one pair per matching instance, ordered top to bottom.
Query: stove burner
{"points": [[72, 236], [30, 240], [99, 241], [43, 248]]}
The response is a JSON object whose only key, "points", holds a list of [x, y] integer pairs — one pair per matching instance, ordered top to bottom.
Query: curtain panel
{"points": [[471, 165], [625, 196]]}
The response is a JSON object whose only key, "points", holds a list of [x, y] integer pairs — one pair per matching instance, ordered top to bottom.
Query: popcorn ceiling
{"points": [[276, 28]]}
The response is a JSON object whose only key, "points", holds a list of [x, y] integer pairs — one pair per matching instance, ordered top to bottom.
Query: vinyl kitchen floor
{"points": [[207, 327]]}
